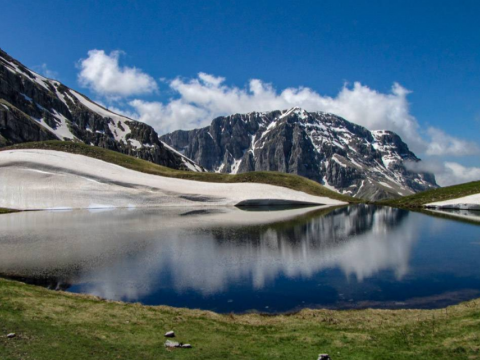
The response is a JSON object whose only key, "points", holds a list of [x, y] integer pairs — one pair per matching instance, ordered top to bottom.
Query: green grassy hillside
{"points": [[272, 178], [441, 194], [56, 325]]}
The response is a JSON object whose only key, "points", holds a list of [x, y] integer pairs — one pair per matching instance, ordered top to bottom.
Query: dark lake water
{"points": [[233, 260]]}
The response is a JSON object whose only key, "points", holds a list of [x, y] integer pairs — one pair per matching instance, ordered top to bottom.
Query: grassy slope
{"points": [[273, 178], [441, 194], [51, 325]]}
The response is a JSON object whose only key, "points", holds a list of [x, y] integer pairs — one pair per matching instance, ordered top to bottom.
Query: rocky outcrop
{"points": [[34, 108], [17, 127], [323, 147]]}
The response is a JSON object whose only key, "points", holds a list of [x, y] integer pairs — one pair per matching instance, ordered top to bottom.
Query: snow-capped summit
{"points": [[35, 108], [323, 147]]}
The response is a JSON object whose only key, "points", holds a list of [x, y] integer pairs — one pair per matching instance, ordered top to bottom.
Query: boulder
{"points": [[171, 344], [174, 344]]}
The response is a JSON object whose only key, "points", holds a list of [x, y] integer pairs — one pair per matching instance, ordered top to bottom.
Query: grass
{"points": [[290, 181], [441, 194], [56, 325]]}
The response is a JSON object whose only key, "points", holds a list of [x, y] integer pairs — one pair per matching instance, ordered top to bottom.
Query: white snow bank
{"points": [[63, 180], [471, 202], [460, 214]]}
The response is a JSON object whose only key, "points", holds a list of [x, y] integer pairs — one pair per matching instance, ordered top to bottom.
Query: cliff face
{"points": [[34, 108], [323, 147]]}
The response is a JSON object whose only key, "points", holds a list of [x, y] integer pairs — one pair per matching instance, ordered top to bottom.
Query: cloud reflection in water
{"points": [[127, 255]]}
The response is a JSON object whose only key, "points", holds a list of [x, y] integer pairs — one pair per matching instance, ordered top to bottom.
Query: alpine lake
{"points": [[238, 260]]}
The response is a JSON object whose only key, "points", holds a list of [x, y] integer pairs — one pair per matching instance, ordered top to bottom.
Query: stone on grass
{"points": [[170, 334], [11, 335], [171, 344], [174, 344], [324, 357]]}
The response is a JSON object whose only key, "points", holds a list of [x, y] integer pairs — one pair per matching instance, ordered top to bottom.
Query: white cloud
{"points": [[103, 74], [202, 99], [170, 117], [443, 144], [446, 173], [455, 173]]}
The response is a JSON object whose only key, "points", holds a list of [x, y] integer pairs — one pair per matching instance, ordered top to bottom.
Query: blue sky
{"points": [[431, 48]]}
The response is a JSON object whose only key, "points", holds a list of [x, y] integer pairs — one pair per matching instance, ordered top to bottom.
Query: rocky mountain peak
{"points": [[326, 148]]}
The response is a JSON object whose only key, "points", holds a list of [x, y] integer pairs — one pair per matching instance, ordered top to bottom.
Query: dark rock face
{"points": [[34, 108], [16, 127], [323, 147]]}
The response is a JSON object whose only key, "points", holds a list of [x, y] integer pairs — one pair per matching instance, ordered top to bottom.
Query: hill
{"points": [[436, 196]]}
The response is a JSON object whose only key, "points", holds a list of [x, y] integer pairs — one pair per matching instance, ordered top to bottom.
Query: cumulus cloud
{"points": [[103, 74], [201, 99], [170, 117], [444, 144], [446, 173], [455, 173]]}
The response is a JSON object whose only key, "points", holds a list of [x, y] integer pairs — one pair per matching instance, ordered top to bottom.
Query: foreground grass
{"points": [[264, 177], [441, 194], [55, 325]]}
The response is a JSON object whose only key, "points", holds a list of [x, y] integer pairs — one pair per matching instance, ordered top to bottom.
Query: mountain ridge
{"points": [[323, 147]]}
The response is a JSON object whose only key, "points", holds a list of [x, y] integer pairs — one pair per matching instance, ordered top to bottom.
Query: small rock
{"points": [[170, 334], [11, 335], [171, 344], [186, 346], [324, 357]]}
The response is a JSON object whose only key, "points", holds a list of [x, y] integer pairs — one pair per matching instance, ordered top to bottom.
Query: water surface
{"points": [[232, 260]]}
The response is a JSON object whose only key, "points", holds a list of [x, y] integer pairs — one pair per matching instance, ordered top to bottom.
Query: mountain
{"points": [[34, 108], [323, 147]]}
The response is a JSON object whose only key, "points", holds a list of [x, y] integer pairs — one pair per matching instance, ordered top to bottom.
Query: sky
{"points": [[412, 67]]}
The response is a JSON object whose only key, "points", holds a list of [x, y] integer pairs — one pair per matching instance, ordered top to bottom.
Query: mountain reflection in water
{"points": [[227, 259]]}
